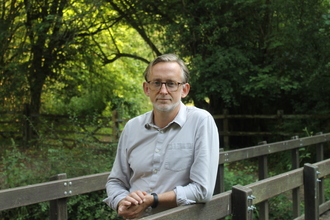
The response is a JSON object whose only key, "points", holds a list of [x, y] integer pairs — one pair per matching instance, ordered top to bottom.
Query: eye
{"points": [[156, 83], [171, 84]]}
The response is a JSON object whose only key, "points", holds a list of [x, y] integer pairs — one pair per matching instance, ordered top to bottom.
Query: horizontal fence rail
{"points": [[266, 149], [43, 192], [222, 204], [218, 207]]}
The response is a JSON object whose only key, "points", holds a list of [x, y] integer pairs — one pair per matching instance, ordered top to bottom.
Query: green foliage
{"points": [[251, 56], [63, 60], [38, 164], [17, 169], [242, 173], [326, 182], [90, 206], [280, 207]]}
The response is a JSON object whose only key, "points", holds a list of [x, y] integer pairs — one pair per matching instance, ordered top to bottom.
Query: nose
{"points": [[163, 89]]}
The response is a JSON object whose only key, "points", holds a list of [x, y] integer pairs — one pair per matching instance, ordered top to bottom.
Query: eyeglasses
{"points": [[171, 86]]}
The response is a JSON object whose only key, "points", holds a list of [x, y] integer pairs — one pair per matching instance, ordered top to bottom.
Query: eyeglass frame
{"points": [[161, 84]]}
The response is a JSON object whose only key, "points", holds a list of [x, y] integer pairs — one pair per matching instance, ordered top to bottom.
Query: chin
{"points": [[165, 107]]}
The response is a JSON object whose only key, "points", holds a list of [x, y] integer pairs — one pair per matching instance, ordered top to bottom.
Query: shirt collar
{"points": [[179, 119]]}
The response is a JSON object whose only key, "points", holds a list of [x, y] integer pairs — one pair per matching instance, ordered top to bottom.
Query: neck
{"points": [[162, 119]]}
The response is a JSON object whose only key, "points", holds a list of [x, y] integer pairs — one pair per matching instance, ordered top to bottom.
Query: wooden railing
{"points": [[278, 119], [239, 202]]}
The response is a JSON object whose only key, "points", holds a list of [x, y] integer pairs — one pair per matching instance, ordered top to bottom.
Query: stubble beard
{"points": [[165, 107]]}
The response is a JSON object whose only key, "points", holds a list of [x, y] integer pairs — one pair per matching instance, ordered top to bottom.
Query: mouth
{"points": [[162, 99]]}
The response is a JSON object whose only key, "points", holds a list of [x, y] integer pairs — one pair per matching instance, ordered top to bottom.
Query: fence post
{"points": [[280, 119], [115, 126], [225, 129], [27, 131], [320, 157], [263, 174], [220, 182], [295, 192], [311, 192], [58, 208], [242, 208]]}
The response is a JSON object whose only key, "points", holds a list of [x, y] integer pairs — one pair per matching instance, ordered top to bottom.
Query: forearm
{"points": [[116, 192], [167, 199]]}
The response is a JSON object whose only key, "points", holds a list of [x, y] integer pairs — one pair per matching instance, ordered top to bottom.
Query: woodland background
{"points": [[87, 57]]}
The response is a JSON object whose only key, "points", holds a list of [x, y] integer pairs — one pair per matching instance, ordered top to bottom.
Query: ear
{"points": [[146, 88], [185, 90]]}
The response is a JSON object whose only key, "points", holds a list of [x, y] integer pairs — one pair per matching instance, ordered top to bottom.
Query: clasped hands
{"points": [[134, 204]]}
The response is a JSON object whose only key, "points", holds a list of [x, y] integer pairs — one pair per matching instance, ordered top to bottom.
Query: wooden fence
{"points": [[278, 118], [64, 130], [69, 130], [239, 202]]}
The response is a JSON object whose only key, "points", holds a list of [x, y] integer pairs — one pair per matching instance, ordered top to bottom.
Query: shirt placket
{"points": [[157, 159]]}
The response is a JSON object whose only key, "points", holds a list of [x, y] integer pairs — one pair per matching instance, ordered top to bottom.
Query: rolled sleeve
{"points": [[204, 169], [182, 196]]}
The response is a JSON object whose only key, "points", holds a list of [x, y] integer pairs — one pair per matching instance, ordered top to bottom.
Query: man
{"points": [[167, 157]]}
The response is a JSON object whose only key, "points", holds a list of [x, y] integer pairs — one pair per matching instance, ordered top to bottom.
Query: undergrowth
{"points": [[37, 164]]}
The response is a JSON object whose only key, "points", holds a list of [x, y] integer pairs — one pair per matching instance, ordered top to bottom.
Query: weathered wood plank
{"points": [[265, 149], [295, 159], [323, 168], [95, 182], [273, 186], [42, 192], [311, 192], [27, 195], [218, 207], [324, 207], [242, 210]]}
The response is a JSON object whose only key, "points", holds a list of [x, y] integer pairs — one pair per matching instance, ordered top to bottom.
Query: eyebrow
{"points": [[167, 80]]}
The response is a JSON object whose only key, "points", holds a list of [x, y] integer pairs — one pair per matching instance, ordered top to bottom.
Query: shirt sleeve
{"points": [[205, 166], [117, 185]]}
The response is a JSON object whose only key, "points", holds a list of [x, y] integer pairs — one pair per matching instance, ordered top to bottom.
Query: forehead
{"points": [[166, 71]]}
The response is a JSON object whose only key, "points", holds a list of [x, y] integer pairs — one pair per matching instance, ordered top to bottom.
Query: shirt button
{"points": [[161, 131], [157, 151], [155, 171]]}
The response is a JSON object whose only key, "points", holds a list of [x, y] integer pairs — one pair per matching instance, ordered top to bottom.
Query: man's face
{"points": [[163, 99]]}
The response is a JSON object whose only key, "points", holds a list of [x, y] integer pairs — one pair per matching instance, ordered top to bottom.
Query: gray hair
{"points": [[169, 58]]}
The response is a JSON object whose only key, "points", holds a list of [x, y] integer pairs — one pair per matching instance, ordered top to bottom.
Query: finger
{"points": [[138, 196], [141, 196], [131, 198], [123, 208]]}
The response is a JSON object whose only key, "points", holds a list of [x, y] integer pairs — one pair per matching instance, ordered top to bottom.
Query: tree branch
{"points": [[136, 26], [119, 55]]}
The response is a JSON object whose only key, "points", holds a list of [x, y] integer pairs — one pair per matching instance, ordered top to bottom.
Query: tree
{"points": [[55, 45], [11, 50], [253, 50]]}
